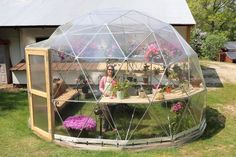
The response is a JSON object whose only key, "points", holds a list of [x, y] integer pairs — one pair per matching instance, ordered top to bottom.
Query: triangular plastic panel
{"points": [[102, 46], [83, 115]]}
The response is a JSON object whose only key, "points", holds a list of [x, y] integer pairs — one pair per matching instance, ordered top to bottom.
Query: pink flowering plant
{"points": [[152, 50], [177, 108], [80, 122], [178, 122]]}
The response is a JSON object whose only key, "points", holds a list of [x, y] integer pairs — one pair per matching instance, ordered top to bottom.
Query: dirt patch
{"points": [[225, 72], [10, 88], [230, 109]]}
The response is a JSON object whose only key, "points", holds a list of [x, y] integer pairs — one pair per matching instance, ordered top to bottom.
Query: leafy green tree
{"points": [[215, 16], [212, 45]]}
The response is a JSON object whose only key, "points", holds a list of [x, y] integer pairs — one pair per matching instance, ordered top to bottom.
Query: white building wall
{"points": [[29, 35], [19, 38], [19, 77]]}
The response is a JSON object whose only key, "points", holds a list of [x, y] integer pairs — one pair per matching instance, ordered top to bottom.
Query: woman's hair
{"points": [[112, 67]]}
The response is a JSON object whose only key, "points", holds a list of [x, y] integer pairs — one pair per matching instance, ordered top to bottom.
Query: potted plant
{"points": [[151, 51], [156, 71], [145, 73], [130, 76], [195, 82], [82, 86], [184, 86], [168, 88], [121, 89], [142, 93], [160, 95], [179, 122], [76, 124]]}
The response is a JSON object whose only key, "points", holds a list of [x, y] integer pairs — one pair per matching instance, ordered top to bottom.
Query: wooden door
{"points": [[38, 82]]}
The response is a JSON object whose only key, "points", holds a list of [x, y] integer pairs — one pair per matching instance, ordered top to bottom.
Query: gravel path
{"points": [[216, 73]]}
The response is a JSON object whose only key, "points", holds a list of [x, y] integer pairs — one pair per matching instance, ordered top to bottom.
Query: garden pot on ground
{"points": [[76, 133]]}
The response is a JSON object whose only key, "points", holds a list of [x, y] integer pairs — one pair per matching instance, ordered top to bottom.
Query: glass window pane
{"points": [[37, 72], [40, 112]]}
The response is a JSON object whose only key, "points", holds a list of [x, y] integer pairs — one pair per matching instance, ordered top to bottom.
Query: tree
{"points": [[215, 16], [197, 39], [212, 45]]}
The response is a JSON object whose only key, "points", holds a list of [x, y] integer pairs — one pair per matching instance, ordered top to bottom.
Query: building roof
{"points": [[58, 12], [230, 46], [231, 55]]}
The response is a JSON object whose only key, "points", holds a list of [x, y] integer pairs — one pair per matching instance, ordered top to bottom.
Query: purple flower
{"points": [[61, 55], [177, 107], [80, 123]]}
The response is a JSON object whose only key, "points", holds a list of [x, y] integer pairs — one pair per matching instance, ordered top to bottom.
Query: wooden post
{"points": [[188, 32]]}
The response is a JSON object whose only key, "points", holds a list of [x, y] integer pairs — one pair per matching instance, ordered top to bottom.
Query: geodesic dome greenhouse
{"points": [[157, 92]]}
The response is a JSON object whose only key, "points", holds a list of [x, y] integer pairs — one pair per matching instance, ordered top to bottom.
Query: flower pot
{"points": [[130, 78], [145, 80], [196, 82], [85, 89], [168, 89], [120, 94], [142, 94], [159, 96], [73, 132], [76, 133], [84, 134]]}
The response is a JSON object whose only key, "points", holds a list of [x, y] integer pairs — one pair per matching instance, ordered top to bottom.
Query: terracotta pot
{"points": [[196, 83], [168, 89], [75, 133]]}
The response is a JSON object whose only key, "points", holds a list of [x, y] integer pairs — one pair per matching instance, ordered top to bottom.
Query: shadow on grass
{"points": [[211, 77], [12, 100], [215, 123]]}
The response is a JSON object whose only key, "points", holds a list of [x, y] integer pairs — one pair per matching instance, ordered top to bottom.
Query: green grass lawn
{"points": [[219, 139]]}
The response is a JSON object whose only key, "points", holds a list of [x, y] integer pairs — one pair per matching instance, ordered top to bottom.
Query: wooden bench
{"points": [[62, 100]]}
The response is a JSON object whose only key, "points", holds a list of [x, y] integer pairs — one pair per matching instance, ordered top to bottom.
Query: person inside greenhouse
{"points": [[105, 86]]}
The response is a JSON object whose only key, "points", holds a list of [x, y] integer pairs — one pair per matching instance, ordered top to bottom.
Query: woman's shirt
{"points": [[105, 86]]}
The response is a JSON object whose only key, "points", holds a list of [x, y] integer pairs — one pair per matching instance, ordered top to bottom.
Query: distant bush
{"points": [[197, 39], [210, 48]]}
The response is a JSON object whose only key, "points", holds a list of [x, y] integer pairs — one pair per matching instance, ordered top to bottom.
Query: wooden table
{"points": [[175, 94]]}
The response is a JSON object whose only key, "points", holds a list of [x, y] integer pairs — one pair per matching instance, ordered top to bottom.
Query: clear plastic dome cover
{"points": [[149, 56]]}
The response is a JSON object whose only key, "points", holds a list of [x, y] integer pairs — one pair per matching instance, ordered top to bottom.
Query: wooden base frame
{"points": [[141, 144]]}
